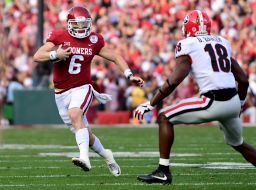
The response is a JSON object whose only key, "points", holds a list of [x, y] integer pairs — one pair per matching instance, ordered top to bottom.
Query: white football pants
{"points": [[204, 109]]}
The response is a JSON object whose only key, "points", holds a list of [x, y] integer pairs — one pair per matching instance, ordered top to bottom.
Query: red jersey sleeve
{"points": [[54, 37], [100, 44]]}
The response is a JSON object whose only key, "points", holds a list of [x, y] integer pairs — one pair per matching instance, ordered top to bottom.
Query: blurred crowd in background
{"points": [[144, 32]]}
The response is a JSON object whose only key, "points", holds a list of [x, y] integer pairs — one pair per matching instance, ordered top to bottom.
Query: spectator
{"points": [[141, 31], [15, 84], [112, 88]]}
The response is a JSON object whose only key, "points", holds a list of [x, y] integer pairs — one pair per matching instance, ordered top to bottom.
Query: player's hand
{"points": [[63, 54], [139, 81], [243, 107], [142, 109]]}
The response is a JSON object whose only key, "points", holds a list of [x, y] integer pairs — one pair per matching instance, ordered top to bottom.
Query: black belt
{"points": [[222, 94]]}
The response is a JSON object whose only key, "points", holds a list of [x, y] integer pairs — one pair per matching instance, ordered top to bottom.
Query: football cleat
{"points": [[82, 163], [112, 165], [156, 176]]}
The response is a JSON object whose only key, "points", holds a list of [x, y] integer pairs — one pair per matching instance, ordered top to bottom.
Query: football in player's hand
{"points": [[63, 53]]}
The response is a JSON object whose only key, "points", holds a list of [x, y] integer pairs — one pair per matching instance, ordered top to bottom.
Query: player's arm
{"points": [[45, 53], [118, 60], [180, 72], [241, 79]]}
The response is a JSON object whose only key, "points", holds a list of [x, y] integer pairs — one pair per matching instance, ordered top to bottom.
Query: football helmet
{"points": [[79, 22], [196, 23]]}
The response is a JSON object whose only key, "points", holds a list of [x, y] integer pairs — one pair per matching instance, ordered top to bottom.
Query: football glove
{"points": [[142, 109]]}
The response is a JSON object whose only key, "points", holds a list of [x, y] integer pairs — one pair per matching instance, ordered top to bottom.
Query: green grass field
{"points": [[39, 159]]}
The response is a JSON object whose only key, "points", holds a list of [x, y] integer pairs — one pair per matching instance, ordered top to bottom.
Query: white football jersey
{"points": [[211, 61]]}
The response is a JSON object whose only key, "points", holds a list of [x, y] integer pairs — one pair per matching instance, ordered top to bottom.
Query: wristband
{"points": [[53, 55], [128, 73], [242, 102], [151, 107]]}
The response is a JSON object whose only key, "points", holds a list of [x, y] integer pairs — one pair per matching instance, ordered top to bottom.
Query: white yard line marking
{"points": [[27, 146], [38, 147], [119, 154], [147, 155], [18, 156], [96, 159], [33, 160], [209, 165], [217, 165], [28, 168], [127, 174], [106, 175], [40, 176], [125, 184], [208, 184]]}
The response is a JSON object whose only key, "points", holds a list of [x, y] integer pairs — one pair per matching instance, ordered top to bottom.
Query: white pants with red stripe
{"points": [[79, 97], [204, 109]]}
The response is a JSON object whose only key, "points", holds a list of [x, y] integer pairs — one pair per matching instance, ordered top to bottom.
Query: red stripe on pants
{"points": [[86, 98], [186, 104]]}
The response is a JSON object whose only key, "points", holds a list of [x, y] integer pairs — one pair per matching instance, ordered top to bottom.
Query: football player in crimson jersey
{"points": [[209, 59], [74, 90]]}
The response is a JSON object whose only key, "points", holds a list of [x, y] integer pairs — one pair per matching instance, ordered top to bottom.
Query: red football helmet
{"points": [[79, 22], [196, 23]]}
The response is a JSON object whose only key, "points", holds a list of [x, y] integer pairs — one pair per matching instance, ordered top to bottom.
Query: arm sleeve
{"points": [[52, 37], [100, 43], [227, 45], [182, 48], [229, 49]]}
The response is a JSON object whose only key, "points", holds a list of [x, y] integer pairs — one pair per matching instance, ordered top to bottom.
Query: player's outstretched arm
{"points": [[45, 53], [118, 60], [181, 70]]}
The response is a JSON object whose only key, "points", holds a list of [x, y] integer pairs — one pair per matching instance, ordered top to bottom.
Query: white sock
{"points": [[82, 140], [98, 147], [164, 162]]}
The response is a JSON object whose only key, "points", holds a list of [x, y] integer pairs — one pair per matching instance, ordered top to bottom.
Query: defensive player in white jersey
{"points": [[209, 59]]}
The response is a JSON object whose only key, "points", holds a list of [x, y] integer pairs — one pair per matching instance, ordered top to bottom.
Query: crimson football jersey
{"points": [[76, 70]]}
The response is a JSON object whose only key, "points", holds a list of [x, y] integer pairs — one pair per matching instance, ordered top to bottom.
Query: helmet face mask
{"points": [[79, 22], [196, 23]]}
